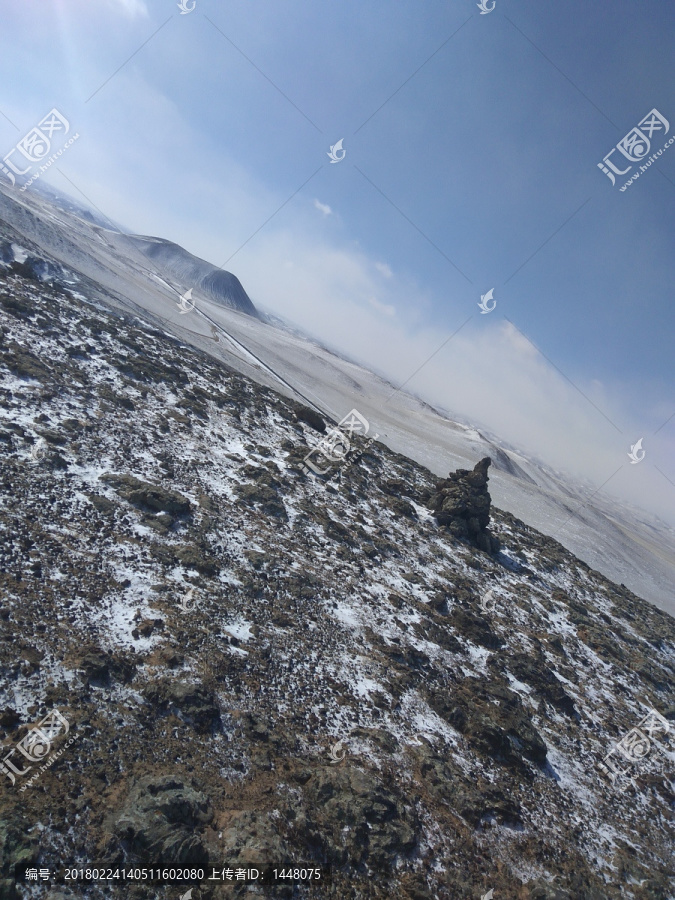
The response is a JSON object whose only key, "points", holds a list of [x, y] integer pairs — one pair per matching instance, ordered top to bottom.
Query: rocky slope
{"points": [[626, 544], [261, 665]]}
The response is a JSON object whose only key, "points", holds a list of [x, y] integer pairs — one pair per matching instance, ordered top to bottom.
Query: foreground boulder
{"points": [[462, 502], [163, 820]]}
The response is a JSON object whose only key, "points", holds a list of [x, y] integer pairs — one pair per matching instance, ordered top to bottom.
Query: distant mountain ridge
{"points": [[218, 285], [221, 286]]}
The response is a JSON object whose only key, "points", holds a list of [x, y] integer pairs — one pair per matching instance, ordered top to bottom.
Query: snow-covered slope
{"points": [[169, 258], [627, 545], [262, 666]]}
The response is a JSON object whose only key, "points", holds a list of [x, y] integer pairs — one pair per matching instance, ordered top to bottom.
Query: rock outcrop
{"points": [[462, 502], [163, 819]]}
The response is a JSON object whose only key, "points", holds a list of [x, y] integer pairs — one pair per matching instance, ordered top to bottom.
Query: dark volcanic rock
{"points": [[6, 252], [36, 269], [310, 417], [148, 496], [265, 496], [462, 502], [194, 558], [475, 628], [100, 668], [535, 673], [193, 702], [493, 719], [446, 781], [360, 817], [161, 821], [250, 837], [16, 848]]}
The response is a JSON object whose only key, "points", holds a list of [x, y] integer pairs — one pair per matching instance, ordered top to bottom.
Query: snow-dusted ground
{"points": [[627, 545], [336, 622]]}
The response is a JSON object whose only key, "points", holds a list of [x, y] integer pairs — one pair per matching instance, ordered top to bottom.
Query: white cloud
{"points": [[323, 207], [383, 269], [386, 308], [487, 374]]}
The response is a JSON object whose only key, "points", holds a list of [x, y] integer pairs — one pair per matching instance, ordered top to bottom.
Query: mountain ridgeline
{"points": [[171, 259]]}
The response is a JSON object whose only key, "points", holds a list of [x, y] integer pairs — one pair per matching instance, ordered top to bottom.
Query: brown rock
{"points": [[462, 502]]}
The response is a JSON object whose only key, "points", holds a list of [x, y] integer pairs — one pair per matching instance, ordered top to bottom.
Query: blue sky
{"points": [[479, 173]]}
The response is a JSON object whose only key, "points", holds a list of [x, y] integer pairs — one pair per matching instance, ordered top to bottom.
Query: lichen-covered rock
{"points": [[264, 496], [462, 502], [100, 667], [537, 674], [359, 818], [162, 821], [251, 838], [16, 849]]}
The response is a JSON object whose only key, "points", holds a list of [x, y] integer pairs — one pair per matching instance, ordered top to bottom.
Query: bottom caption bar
{"points": [[97, 874]]}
